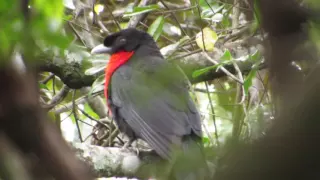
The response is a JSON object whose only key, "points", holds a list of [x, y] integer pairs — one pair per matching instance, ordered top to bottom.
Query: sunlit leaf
{"points": [[98, 8], [54, 10], [124, 25], [156, 27], [208, 40]]}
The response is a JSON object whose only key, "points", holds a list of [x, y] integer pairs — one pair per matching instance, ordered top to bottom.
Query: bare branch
{"points": [[57, 98]]}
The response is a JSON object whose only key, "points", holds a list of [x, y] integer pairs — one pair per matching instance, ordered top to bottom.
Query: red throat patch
{"points": [[116, 60]]}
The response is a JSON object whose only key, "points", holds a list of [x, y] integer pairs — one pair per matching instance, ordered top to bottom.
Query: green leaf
{"points": [[50, 8], [141, 10], [67, 17], [257, 17], [225, 20], [124, 25], [156, 27], [226, 56], [255, 57], [225, 59], [205, 70], [248, 81], [43, 86], [89, 111], [205, 140]]}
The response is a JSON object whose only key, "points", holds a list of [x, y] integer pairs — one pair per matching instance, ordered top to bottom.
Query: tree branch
{"points": [[71, 74], [57, 98]]}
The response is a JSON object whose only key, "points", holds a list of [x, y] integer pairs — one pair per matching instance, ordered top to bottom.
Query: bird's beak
{"points": [[101, 49]]}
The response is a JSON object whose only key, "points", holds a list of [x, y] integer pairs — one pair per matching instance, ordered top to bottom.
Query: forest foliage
{"points": [[219, 45]]}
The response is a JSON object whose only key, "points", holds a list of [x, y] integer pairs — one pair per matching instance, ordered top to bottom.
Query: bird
{"points": [[149, 99]]}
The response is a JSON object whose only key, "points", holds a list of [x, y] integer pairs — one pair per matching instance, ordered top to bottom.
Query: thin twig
{"points": [[113, 18], [176, 19], [101, 25], [83, 28], [77, 34], [202, 34], [186, 54], [223, 69], [239, 74], [47, 79], [54, 85], [57, 98], [80, 100], [68, 106], [75, 114], [86, 114], [238, 115], [213, 116], [93, 119], [91, 134], [111, 137]]}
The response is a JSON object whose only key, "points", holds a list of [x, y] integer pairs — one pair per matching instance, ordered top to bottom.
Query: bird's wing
{"points": [[158, 109]]}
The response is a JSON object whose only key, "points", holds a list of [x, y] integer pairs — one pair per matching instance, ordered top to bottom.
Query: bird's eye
{"points": [[122, 40]]}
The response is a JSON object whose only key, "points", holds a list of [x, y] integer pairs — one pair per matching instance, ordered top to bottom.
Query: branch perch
{"points": [[72, 75]]}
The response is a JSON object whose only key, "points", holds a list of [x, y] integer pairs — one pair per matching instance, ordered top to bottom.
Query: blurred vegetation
{"points": [[58, 36]]}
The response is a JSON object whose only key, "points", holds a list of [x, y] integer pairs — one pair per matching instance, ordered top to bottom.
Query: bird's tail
{"points": [[190, 163]]}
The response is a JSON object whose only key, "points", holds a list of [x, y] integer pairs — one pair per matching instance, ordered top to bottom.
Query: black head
{"points": [[125, 40]]}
